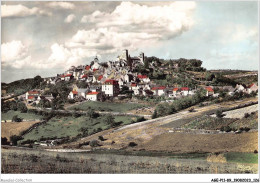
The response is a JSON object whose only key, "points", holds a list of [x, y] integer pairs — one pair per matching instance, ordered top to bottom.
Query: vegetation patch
{"points": [[108, 106], [10, 114], [61, 127], [239, 157]]}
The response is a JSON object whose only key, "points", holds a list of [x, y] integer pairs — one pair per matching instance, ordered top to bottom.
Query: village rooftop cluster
{"points": [[105, 80]]}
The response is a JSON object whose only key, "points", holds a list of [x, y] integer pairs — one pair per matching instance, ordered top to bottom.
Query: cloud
{"points": [[62, 5], [21, 11], [70, 18], [172, 19], [132, 25], [13, 50], [14, 54], [62, 57]]}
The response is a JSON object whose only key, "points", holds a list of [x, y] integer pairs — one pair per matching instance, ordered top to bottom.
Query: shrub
{"points": [[191, 109], [219, 113], [76, 114], [154, 114], [246, 115], [16, 119], [140, 119], [227, 129], [246, 129], [101, 138], [14, 139], [4, 141], [94, 143], [132, 144], [255, 151]]}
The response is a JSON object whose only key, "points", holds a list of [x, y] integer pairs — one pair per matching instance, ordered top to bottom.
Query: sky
{"points": [[46, 38]]}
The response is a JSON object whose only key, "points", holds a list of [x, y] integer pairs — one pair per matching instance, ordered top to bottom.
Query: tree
{"points": [[146, 63], [22, 107], [91, 113], [219, 113], [154, 114], [16, 119], [110, 120], [14, 139], [4, 141]]}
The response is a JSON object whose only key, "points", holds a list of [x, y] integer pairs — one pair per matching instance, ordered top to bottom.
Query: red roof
{"points": [[87, 67], [95, 70], [68, 75], [62, 76], [84, 76], [142, 76], [100, 77], [111, 81], [133, 84], [251, 85], [159, 88], [175, 89], [185, 89], [209, 89], [33, 92], [75, 92], [93, 93], [31, 97]]}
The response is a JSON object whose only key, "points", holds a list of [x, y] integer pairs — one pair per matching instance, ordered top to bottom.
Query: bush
{"points": [[71, 101], [22, 107], [191, 109], [219, 113], [76, 114], [92, 114], [154, 114], [246, 115], [16, 119], [140, 119], [227, 129], [246, 129], [101, 138], [14, 139], [4, 141], [94, 143], [132, 144]]}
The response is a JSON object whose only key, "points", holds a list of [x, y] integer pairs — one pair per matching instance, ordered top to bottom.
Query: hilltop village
{"points": [[130, 76]]}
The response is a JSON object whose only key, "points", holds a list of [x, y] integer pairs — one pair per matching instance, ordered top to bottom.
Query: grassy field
{"points": [[108, 106], [9, 115], [208, 123], [213, 123], [70, 126], [13, 128], [238, 157], [38, 161]]}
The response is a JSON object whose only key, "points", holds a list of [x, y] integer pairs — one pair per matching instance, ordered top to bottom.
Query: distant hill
{"points": [[23, 85]]}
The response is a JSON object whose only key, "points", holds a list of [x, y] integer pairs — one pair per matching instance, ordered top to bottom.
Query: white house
{"points": [[110, 87], [239, 88], [252, 88], [158, 90], [184, 91], [210, 91], [73, 94], [32, 95], [93, 96]]}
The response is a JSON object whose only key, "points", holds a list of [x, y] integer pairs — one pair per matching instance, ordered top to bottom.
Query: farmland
{"points": [[72, 127], [13, 128]]}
